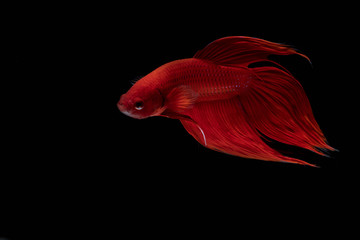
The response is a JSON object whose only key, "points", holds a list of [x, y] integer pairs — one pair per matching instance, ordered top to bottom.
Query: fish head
{"points": [[141, 101]]}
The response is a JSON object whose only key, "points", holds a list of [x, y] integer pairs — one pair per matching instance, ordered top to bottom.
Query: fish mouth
{"points": [[121, 106], [123, 109], [128, 114], [132, 115]]}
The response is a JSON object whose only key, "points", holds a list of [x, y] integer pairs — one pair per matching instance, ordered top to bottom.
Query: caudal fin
{"points": [[274, 105], [278, 107]]}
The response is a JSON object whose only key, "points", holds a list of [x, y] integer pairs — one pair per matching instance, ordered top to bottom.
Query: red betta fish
{"points": [[227, 106]]}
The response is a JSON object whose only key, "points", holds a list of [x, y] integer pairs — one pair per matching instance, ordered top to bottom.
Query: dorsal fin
{"points": [[241, 50]]}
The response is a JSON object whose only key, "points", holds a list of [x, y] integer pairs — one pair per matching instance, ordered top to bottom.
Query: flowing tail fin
{"points": [[274, 105], [278, 107]]}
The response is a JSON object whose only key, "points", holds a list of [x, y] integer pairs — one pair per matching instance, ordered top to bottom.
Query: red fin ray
{"points": [[240, 50], [277, 106], [225, 127]]}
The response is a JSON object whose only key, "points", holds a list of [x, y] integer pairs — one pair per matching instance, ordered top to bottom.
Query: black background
{"points": [[76, 163]]}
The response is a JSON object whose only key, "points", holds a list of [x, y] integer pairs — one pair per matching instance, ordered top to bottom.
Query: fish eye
{"points": [[139, 105]]}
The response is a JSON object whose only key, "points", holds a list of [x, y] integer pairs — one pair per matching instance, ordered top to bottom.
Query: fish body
{"points": [[208, 80], [227, 106]]}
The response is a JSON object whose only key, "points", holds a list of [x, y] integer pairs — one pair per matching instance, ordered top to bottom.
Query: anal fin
{"points": [[223, 126], [195, 130]]}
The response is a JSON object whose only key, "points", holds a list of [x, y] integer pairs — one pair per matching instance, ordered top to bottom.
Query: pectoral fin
{"points": [[180, 99]]}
